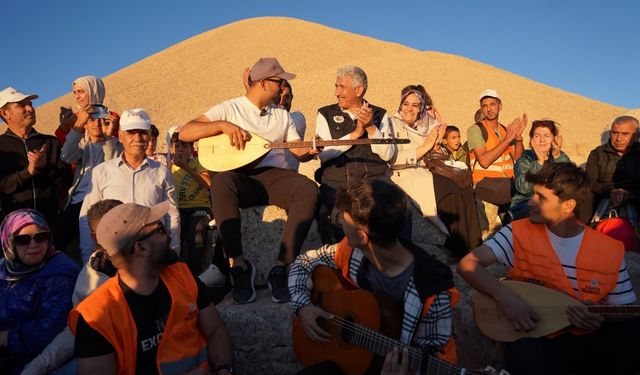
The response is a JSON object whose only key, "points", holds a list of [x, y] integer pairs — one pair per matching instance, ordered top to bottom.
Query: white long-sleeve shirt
{"points": [[149, 184]]}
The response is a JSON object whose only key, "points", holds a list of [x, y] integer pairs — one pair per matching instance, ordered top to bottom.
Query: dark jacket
{"points": [[359, 161], [606, 170], [18, 189], [34, 308]]}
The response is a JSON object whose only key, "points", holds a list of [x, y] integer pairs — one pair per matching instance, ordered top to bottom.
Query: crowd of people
{"points": [[107, 243]]}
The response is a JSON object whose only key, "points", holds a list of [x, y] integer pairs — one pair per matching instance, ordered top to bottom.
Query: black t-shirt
{"points": [[150, 314]]}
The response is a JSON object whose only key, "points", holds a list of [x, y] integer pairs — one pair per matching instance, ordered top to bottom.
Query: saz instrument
{"points": [[218, 155], [550, 305], [360, 330]]}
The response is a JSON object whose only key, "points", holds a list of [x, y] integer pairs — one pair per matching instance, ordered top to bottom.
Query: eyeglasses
{"points": [[280, 82], [98, 111], [159, 229], [25, 239]]}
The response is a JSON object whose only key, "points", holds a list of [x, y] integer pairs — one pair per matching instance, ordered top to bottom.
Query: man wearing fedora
{"points": [[31, 172], [132, 178], [269, 182], [154, 316]]}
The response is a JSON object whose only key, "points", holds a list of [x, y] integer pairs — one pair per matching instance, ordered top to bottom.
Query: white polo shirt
{"points": [[274, 125]]}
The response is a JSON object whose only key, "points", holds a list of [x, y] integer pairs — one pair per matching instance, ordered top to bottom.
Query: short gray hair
{"points": [[358, 76], [624, 119]]}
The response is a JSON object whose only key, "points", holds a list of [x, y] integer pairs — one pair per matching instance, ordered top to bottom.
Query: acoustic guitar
{"points": [[218, 155], [550, 305], [361, 330]]}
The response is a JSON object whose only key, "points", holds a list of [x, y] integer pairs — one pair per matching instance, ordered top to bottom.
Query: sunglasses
{"points": [[280, 82], [98, 111], [159, 229], [25, 239]]}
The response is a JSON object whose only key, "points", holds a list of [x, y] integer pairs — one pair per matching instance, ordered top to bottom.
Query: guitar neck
{"points": [[337, 142], [615, 309], [381, 345]]}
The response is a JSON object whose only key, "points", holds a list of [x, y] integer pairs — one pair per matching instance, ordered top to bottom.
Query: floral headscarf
{"points": [[93, 86], [424, 122], [11, 225]]}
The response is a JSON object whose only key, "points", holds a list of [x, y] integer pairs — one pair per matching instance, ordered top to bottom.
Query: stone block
{"points": [[261, 233], [261, 335]]}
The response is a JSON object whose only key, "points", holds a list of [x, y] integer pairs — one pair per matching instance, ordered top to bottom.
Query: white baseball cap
{"points": [[490, 93], [11, 95], [135, 119]]}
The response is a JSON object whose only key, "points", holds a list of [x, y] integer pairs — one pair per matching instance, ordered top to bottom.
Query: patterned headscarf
{"points": [[93, 86], [423, 102], [424, 122], [11, 225]]}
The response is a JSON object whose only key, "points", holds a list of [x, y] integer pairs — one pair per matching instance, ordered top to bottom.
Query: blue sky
{"points": [[591, 48]]}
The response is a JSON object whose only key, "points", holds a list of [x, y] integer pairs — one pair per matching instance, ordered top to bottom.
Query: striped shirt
{"points": [[501, 244]]}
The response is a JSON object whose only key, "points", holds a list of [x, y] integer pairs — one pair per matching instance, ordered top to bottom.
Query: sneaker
{"points": [[212, 276], [242, 281], [278, 284]]}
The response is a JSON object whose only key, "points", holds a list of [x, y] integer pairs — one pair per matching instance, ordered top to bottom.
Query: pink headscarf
{"points": [[11, 225]]}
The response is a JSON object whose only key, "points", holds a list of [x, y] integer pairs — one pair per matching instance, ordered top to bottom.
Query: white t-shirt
{"points": [[274, 125], [301, 126], [501, 244]]}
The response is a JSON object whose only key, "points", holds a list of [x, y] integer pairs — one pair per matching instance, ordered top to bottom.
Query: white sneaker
{"points": [[212, 276]]}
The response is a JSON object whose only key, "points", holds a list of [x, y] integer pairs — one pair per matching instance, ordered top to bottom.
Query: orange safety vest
{"points": [[503, 166], [342, 260], [597, 263], [182, 346]]}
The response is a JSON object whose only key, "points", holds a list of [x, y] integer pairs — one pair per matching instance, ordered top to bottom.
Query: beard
{"points": [[164, 256]]}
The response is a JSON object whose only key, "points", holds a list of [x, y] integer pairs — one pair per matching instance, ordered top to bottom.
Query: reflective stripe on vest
{"points": [[502, 167], [597, 262], [182, 344], [185, 365]]}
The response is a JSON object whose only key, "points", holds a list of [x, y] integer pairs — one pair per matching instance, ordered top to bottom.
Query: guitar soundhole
{"points": [[346, 333]]}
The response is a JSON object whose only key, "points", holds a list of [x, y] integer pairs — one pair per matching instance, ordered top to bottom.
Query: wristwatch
{"points": [[224, 367]]}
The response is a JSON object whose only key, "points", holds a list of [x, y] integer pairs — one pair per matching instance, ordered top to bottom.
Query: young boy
{"points": [[451, 142], [192, 183]]}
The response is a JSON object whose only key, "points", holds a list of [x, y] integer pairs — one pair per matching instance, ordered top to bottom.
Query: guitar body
{"points": [[218, 155], [335, 295], [549, 304]]}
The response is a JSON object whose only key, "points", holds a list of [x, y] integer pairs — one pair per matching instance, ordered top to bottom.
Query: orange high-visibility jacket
{"points": [[503, 166], [597, 263], [182, 347]]}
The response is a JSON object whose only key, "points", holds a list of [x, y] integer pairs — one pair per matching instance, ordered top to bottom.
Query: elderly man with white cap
{"points": [[493, 149], [31, 172], [132, 178], [268, 182], [154, 317]]}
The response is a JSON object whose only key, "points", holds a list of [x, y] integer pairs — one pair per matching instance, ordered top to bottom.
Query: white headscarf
{"points": [[93, 86]]}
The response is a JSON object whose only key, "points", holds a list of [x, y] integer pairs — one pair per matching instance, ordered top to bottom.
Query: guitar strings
{"points": [[561, 310], [379, 343]]}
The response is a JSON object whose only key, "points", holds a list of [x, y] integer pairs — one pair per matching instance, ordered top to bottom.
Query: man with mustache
{"points": [[352, 117], [612, 167], [31, 171], [132, 178], [154, 317]]}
